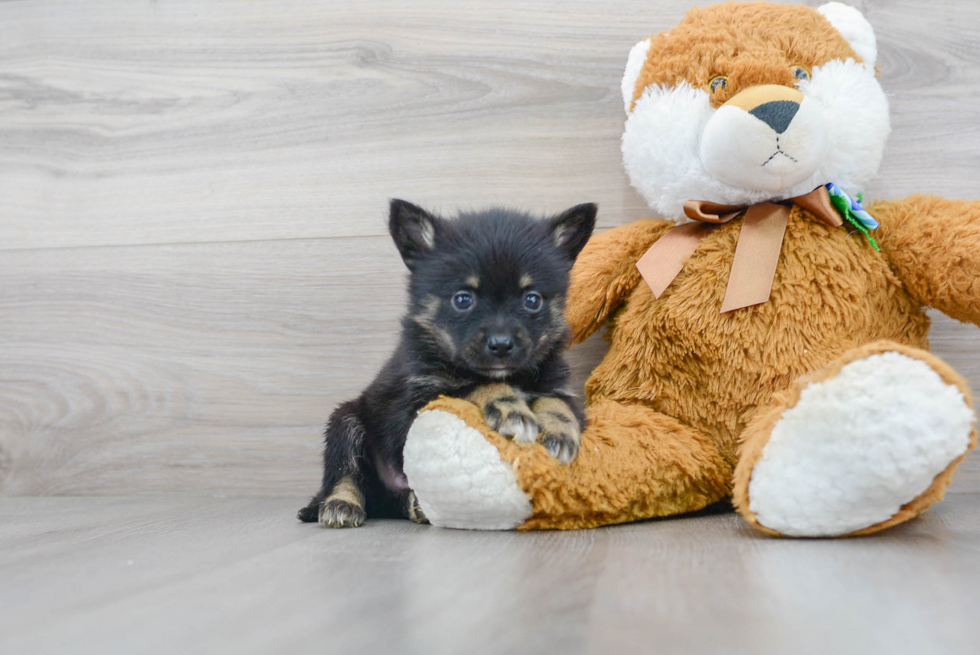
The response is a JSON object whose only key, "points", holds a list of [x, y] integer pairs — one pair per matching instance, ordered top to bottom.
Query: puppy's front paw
{"points": [[505, 412], [516, 423], [560, 432], [561, 446], [337, 513]]}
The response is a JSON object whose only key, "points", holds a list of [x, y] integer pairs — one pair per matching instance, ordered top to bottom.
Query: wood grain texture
{"points": [[135, 123], [193, 264], [189, 367], [185, 575]]}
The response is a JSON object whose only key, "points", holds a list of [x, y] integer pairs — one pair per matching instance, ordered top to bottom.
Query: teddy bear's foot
{"points": [[868, 442], [634, 464], [458, 477]]}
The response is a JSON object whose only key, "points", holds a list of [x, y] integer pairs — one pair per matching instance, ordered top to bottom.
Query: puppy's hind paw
{"points": [[562, 446], [415, 512], [310, 513], [341, 514]]}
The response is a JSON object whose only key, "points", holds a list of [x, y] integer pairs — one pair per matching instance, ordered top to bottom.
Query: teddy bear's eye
{"points": [[800, 73], [718, 83]]}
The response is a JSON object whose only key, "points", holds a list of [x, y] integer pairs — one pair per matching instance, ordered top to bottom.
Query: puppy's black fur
{"points": [[486, 305]]}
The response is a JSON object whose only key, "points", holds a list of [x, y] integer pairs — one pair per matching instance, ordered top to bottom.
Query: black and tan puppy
{"points": [[485, 322]]}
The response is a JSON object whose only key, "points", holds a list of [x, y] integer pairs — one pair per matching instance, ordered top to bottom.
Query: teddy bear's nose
{"points": [[773, 104], [777, 114]]}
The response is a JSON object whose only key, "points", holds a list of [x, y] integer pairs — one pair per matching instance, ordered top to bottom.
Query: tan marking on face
{"points": [[526, 281], [472, 282], [430, 305], [557, 310], [426, 320], [557, 330], [347, 491]]}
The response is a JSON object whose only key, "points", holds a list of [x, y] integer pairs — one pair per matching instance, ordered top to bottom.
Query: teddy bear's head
{"points": [[747, 103]]}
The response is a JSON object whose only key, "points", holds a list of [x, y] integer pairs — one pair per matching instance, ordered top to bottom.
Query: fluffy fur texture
{"points": [[855, 28], [634, 64], [845, 112], [486, 300], [684, 405], [850, 454], [887, 467], [461, 476]]}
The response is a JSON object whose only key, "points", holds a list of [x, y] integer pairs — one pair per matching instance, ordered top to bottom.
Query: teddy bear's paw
{"points": [[857, 448], [459, 478]]}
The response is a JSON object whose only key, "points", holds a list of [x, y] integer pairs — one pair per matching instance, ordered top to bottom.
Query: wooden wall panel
{"points": [[136, 123], [193, 261], [202, 367]]}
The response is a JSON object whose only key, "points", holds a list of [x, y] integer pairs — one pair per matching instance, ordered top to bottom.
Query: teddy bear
{"points": [[767, 335]]}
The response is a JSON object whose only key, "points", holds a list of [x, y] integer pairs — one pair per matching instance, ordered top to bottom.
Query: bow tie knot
{"points": [[756, 253]]}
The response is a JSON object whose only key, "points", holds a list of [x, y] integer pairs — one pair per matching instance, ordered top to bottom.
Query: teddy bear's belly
{"points": [[679, 355]]}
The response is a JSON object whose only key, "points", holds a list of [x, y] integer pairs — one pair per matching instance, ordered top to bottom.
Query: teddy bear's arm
{"points": [[933, 245], [605, 273]]}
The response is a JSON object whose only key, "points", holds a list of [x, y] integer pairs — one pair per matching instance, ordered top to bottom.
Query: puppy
{"points": [[485, 322]]}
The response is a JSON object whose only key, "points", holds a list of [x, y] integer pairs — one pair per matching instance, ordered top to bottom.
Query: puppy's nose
{"points": [[777, 114], [500, 345]]}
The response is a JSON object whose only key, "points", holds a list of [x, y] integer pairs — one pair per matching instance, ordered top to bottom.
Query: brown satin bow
{"points": [[756, 253]]}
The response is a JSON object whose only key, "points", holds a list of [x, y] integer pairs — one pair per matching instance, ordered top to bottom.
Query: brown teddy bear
{"points": [[768, 343]]}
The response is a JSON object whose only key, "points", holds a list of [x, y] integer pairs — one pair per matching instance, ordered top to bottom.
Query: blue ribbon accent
{"points": [[854, 207]]}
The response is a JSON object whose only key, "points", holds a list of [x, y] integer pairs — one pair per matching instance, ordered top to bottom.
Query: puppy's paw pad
{"points": [[562, 446], [415, 512], [341, 514]]}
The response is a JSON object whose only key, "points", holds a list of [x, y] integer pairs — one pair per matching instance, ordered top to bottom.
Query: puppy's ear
{"points": [[572, 228], [413, 229]]}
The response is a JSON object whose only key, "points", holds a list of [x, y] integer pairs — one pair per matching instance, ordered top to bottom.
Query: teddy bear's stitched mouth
{"points": [[780, 151]]}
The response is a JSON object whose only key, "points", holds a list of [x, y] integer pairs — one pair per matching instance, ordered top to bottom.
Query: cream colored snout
{"points": [[767, 138]]}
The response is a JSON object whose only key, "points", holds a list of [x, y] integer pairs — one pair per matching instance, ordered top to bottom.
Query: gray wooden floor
{"points": [[183, 575]]}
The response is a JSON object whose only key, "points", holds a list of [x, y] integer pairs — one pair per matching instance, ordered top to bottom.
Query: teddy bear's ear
{"points": [[854, 27], [638, 55]]}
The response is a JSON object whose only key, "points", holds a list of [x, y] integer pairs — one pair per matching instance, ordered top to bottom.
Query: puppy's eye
{"points": [[800, 73], [718, 83], [463, 300], [533, 301]]}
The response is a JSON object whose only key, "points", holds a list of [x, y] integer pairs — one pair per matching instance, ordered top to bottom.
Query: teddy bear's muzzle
{"points": [[767, 138]]}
